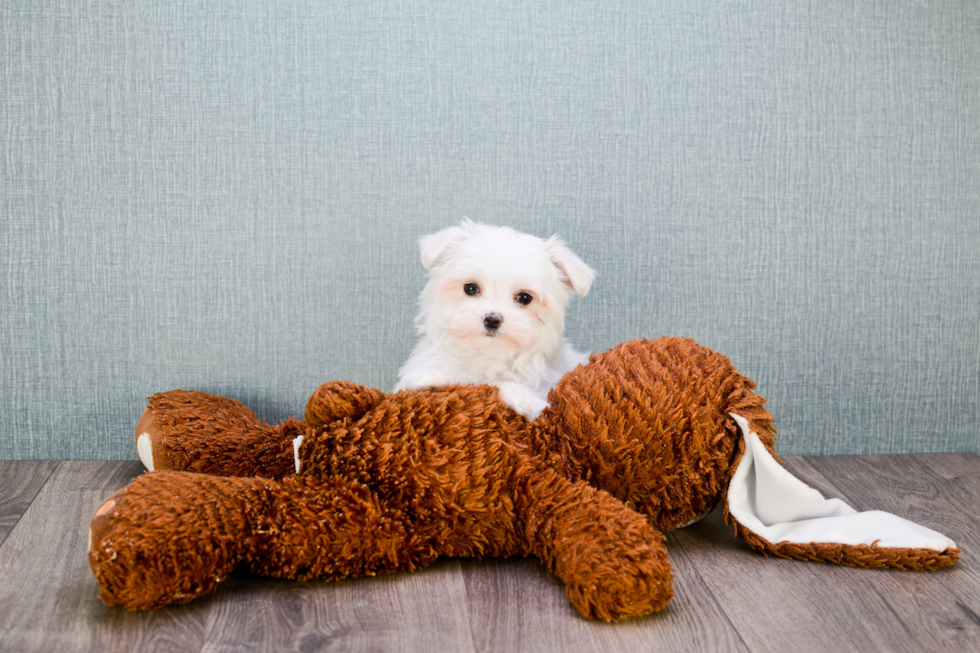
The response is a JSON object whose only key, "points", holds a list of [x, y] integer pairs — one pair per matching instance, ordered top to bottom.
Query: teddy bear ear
{"points": [[438, 247], [575, 273]]}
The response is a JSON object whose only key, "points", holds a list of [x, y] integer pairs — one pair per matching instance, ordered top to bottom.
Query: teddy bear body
{"points": [[635, 443]]}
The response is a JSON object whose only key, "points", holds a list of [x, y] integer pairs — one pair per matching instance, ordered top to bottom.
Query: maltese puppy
{"points": [[493, 311]]}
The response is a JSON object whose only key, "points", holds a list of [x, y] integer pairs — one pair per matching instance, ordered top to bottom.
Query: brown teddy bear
{"points": [[647, 437]]}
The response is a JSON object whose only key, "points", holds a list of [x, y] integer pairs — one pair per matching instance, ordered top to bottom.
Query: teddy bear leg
{"points": [[198, 432], [337, 528], [169, 537], [613, 563]]}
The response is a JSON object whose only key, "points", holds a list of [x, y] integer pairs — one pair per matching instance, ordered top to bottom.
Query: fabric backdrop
{"points": [[226, 196]]}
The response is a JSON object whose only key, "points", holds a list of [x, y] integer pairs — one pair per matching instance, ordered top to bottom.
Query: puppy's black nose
{"points": [[492, 321]]}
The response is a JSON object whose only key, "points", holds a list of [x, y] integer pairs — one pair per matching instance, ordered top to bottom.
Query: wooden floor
{"points": [[726, 598]]}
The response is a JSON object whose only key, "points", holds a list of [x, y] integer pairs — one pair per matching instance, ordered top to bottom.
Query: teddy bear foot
{"points": [[190, 431], [149, 443], [148, 546], [613, 562], [125, 578]]}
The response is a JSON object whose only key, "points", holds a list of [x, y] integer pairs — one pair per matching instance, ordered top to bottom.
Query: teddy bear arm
{"points": [[336, 400], [613, 563]]}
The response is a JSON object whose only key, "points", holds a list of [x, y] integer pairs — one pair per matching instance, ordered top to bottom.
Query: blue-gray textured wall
{"points": [[226, 196]]}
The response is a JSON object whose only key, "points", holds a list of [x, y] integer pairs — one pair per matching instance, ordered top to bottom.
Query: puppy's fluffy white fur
{"points": [[476, 322]]}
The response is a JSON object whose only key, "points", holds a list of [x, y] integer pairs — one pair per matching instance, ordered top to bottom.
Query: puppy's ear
{"points": [[438, 247], [575, 273]]}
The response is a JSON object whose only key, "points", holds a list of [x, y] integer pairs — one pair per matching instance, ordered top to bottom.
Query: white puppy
{"points": [[493, 311]]}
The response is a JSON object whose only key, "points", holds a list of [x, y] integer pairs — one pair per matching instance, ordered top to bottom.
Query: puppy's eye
{"points": [[471, 289], [523, 298]]}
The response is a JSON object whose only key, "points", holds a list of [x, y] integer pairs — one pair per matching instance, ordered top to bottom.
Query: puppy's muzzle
{"points": [[492, 321]]}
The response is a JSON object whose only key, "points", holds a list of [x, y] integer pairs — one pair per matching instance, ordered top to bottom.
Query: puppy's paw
{"points": [[422, 381], [522, 399]]}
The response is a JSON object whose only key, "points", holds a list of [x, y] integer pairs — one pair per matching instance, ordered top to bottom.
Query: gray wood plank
{"points": [[803, 470], [959, 471], [20, 481], [48, 596], [726, 596], [516, 605], [779, 605], [942, 608], [422, 611]]}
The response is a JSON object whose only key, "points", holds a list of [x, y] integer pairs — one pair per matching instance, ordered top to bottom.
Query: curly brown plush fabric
{"points": [[637, 442], [871, 557]]}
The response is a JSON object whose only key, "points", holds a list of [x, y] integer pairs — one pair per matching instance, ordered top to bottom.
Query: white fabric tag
{"points": [[298, 440], [775, 505]]}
